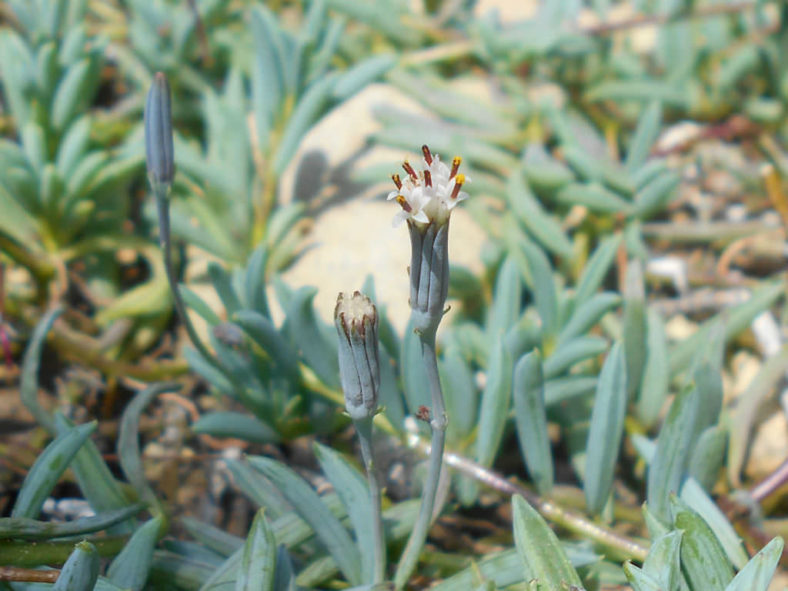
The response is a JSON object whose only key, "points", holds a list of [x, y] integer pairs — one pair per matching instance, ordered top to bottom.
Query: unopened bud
{"points": [[158, 135], [429, 274], [356, 320]]}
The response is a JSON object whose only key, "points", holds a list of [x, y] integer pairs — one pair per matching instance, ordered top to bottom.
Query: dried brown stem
{"points": [[645, 20], [574, 522], [28, 575]]}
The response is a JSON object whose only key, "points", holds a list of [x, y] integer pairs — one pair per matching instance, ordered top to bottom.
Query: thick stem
{"points": [[163, 206], [438, 423], [364, 430], [24, 554]]}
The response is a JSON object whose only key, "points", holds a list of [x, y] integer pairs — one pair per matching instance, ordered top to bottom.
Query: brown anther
{"points": [[427, 155], [455, 166], [409, 169], [427, 178], [397, 180], [457, 186], [403, 203]]}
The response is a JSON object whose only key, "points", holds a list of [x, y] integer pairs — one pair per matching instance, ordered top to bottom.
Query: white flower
{"points": [[429, 195]]}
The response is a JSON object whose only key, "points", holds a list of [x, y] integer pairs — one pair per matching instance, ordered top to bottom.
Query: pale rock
{"points": [[508, 10], [345, 130], [677, 135], [679, 328], [744, 368], [768, 447]]}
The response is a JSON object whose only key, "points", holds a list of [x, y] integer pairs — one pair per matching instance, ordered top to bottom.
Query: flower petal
{"points": [[399, 217]]}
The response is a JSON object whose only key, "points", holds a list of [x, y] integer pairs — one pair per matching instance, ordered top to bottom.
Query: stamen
{"points": [[427, 155], [455, 166], [409, 169], [427, 178], [397, 181], [457, 185], [403, 203]]}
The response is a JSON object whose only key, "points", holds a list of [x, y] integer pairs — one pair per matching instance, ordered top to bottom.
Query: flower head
{"points": [[428, 195], [356, 319]]}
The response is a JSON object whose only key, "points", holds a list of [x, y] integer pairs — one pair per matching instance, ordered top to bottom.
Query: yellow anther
{"points": [[455, 166], [457, 185], [403, 203]]}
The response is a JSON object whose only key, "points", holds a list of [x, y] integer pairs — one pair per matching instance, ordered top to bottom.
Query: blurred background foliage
{"points": [[623, 338]]}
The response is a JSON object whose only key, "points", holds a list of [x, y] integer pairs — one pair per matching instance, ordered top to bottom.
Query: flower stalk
{"points": [[161, 172], [426, 201], [356, 320]]}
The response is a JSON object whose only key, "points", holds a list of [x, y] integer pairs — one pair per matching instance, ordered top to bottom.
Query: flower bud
{"points": [[158, 135], [429, 274], [356, 320]]}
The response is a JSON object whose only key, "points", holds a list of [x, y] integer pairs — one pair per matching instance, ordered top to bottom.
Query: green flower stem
{"points": [[163, 207], [438, 423], [364, 430], [24, 554]]}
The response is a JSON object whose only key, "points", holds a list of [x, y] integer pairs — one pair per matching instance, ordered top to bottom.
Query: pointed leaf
{"points": [[645, 136], [532, 215], [596, 269], [543, 286], [656, 374], [494, 405], [531, 420], [235, 424], [606, 430], [128, 445], [673, 447], [708, 456], [47, 470], [352, 489], [696, 499], [333, 536], [259, 557], [543, 557], [702, 558], [663, 562], [130, 568], [81, 570], [758, 572], [641, 580]]}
